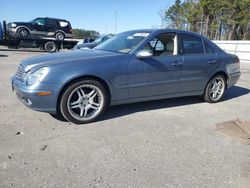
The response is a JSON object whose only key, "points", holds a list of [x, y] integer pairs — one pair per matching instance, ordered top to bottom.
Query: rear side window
{"points": [[51, 23], [63, 24], [191, 44], [208, 48]]}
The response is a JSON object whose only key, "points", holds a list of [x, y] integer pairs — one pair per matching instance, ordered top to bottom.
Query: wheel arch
{"points": [[22, 26], [60, 31], [223, 73], [73, 80]]}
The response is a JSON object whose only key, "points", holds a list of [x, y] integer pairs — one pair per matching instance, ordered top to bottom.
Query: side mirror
{"points": [[144, 54]]}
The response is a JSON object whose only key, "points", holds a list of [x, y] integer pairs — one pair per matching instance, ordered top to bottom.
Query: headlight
{"points": [[13, 25], [84, 48], [36, 76]]}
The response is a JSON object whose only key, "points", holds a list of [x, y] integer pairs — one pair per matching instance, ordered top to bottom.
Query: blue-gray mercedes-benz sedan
{"points": [[132, 66]]}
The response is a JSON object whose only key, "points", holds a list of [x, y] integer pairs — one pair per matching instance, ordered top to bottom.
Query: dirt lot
{"points": [[167, 143]]}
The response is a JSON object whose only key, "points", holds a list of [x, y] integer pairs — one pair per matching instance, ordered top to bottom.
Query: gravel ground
{"points": [[167, 143]]}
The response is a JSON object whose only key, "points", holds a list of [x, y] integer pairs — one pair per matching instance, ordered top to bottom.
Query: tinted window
{"points": [[51, 23], [191, 44], [208, 48]]}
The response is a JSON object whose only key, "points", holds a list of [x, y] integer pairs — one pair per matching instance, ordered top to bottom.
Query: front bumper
{"points": [[12, 32], [233, 78], [28, 96]]}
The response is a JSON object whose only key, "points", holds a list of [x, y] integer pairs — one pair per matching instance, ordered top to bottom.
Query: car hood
{"points": [[22, 23], [87, 45], [66, 57]]}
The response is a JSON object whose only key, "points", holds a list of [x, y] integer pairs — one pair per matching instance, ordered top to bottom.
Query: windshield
{"points": [[31, 21], [123, 42]]}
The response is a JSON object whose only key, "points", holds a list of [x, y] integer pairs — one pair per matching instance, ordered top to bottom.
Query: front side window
{"points": [[39, 21], [123, 43], [191, 44], [163, 45]]}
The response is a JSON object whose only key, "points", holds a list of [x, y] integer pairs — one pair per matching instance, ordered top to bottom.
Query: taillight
{"points": [[237, 62], [238, 65], [233, 66]]}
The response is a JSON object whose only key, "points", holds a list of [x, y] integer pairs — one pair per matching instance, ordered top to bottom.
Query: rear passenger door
{"points": [[50, 26], [199, 62]]}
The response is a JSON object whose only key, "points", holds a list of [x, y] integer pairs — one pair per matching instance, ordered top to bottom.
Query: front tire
{"points": [[23, 32], [215, 89], [84, 101], [58, 117]]}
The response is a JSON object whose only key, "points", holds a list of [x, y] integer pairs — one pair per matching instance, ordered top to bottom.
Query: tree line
{"points": [[216, 19], [83, 34]]}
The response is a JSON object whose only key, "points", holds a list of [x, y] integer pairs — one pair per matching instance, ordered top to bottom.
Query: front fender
{"points": [[18, 27]]}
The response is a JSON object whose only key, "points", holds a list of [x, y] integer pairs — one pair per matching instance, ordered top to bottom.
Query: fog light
{"points": [[28, 101]]}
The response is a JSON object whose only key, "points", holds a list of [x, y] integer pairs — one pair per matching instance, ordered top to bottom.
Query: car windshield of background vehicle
{"points": [[123, 43]]}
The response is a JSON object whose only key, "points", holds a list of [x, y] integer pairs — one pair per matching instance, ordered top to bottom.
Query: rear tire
{"points": [[59, 36], [50, 47], [215, 89], [84, 101]]}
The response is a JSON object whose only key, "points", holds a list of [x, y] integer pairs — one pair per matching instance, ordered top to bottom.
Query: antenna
{"points": [[116, 15]]}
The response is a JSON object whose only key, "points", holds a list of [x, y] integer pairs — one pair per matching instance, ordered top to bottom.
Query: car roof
{"points": [[53, 18], [159, 31]]}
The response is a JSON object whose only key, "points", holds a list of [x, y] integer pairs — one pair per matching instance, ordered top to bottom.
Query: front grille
{"points": [[20, 73]]}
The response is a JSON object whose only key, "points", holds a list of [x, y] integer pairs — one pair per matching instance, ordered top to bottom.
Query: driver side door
{"points": [[39, 27], [160, 74]]}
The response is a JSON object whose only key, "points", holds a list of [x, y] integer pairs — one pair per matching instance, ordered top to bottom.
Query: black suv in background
{"points": [[42, 27]]}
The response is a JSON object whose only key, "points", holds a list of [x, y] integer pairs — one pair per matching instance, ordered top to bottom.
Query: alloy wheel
{"points": [[23, 33], [217, 88], [85, 102]]}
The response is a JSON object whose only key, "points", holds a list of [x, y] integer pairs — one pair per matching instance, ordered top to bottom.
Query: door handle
{"points": [[210, 62], [177, 64]]}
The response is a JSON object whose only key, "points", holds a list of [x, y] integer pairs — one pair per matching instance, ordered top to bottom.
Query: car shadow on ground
{"points": [[22, 50], [1, 55], [234, 92], [127, 109], [123, 110]]}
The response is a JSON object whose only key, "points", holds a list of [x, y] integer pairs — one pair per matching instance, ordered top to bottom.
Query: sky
{"points": [[96, 15]]}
